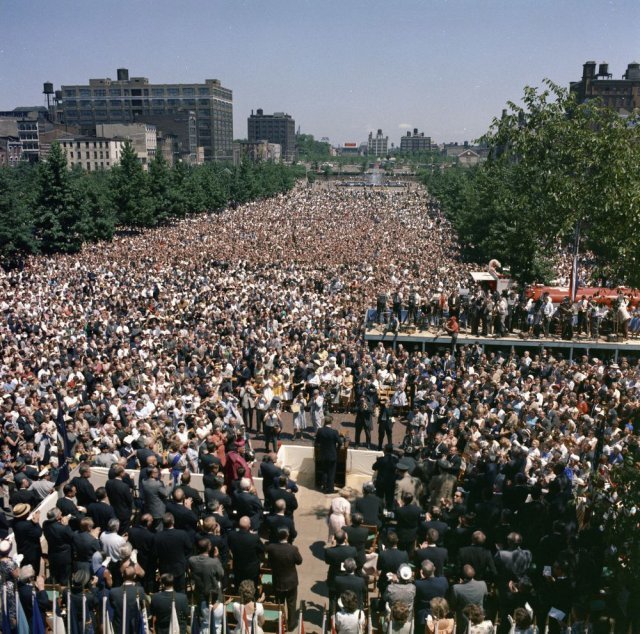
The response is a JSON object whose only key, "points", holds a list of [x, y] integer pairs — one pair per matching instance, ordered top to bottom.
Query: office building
{"points": [[622, 95], [129, 99], [277, 128], [182, 129], [35, 130], [141, 135], [416, 142], [377, 145], [10, 151], [257, 151], [92, 153]]}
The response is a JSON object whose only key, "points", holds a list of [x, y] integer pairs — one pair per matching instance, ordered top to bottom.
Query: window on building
{"points": [[188, 91], [85, 92], [99, 92], [115, 92], [157, 92], [173, 92], [70, 93]]}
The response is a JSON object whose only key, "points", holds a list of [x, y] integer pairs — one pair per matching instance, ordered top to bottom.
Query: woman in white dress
{"points": [[299, 415], [339, 514], [249, 614], [349, 619]]}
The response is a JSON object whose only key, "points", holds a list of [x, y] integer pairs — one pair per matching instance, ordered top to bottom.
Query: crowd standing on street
{"points": [[187, 348]]}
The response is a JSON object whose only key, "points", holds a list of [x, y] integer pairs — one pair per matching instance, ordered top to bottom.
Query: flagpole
{"points": [[124, 609], [68, 610], [55, 612], [84, 613], [104, 615]]}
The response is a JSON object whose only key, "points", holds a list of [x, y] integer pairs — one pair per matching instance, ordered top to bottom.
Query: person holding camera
{"points": [[272, 427]]}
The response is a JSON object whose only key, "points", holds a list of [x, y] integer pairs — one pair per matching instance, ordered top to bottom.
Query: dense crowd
{"points": [[182, 347]]}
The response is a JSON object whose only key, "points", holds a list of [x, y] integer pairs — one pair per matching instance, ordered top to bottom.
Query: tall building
{"points": [[622, 95], [128, 99], [277, 128], [417, 142], [377, 145]]}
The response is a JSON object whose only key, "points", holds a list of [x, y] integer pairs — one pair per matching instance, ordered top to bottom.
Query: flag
{"points": [[573, 278], [62, 429], [63, 474], [72, 619], [87, 620], [6, 621], [143, 621], [195, 621], [37, 624], [22, 625], [174, 625], [107, 628]]}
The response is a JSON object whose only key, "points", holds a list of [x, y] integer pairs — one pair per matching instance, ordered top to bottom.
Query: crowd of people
{"points": [[192, 348]]}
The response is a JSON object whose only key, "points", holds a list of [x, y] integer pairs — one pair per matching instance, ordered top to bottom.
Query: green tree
{"points": [[564, 164], [161, 189], [130, 191], [91, 192], [16, 222], [60, 222]]}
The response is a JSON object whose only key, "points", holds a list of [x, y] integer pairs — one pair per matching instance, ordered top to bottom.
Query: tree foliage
{"points": [[554, 164], [49, 209]]}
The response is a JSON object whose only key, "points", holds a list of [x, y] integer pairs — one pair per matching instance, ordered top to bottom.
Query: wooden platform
{"points": [[429, 340]]}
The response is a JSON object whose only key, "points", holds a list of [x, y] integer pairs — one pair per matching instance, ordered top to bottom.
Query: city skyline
{"points": [[341, 70]]}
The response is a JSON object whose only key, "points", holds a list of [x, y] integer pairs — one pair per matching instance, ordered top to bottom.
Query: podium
{"points": [[341, 467]]}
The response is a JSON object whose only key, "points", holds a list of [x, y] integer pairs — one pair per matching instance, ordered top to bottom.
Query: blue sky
{"points": [[340, 68]]}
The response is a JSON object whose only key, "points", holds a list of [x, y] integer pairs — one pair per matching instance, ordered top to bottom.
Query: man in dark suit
{"points": [[327, 443], [385, 468], [269, 471], [85, 492], [280, 492], [120, 498], [247, 503], [197, 504], [68, 506], [370, 506], [180, 508], [99, 511], [279, 519], [407, 519], [434, 520], [27, 533], [358, 538], [142, 539], [85, 544], [60, 545], [173, 548], [246, 549], [431, 551], [335, 556], [479, 557], [283, 559], [389, 561], [352, 581], [428, 587], [134, 596], [162, 607]]}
